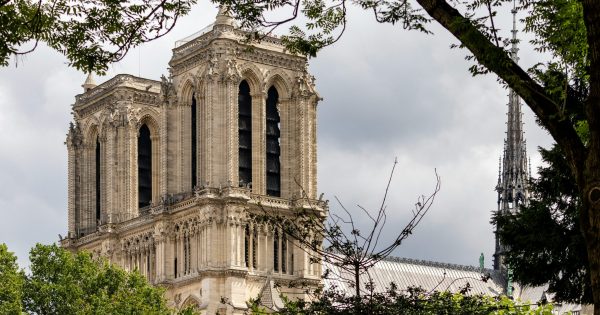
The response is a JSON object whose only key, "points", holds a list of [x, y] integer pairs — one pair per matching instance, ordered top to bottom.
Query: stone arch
{"points": [[252, 74], [281, 81], [189, 84], [149, 117], [91, 127], [91, 131], [191, 301]]}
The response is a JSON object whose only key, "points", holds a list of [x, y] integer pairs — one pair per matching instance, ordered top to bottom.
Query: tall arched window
{"points": [[245, 133], [194, 143], [273, 164], [144, 167], [97, 181], [276, 251]]}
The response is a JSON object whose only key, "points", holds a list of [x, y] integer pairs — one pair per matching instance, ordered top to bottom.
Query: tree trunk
{"points": [[589, 183], [590, 225]]}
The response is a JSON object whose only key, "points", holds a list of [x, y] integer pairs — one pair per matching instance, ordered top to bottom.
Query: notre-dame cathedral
{"points": [[163, 175]]}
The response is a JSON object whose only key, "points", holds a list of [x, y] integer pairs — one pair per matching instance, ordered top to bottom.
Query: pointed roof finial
{"points": [[223, 17], [514, 49], [89, 83]]}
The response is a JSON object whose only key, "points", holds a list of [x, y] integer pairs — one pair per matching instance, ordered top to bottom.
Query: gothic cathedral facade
{"points": [[163, 176]]}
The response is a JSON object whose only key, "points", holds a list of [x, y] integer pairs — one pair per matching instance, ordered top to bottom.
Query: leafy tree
{"points": [[568, 30], [90, 33], [544, 240], [11, 283], [66, 283], [413, 301]]}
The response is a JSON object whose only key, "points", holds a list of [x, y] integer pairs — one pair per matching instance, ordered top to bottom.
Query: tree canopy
{"points": [[90, 33], [61, 282], [11, 283], [413, 301]]}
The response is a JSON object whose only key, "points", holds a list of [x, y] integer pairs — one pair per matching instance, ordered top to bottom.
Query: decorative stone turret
{"points": [[223, 18], [89, 83]]}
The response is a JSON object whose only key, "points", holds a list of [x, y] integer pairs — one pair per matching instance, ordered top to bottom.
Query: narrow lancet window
{"points": [[245, 133], [194, 143], [272, 152], [144, 167], [97, 181], [247, 246], [254, 247], [276, 252], [283, 253]]}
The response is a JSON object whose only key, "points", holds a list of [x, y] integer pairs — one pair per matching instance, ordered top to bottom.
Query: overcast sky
{"points": [[387, 93]]}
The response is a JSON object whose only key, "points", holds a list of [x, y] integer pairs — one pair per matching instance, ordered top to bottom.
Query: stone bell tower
{"points": [[164, 175]]}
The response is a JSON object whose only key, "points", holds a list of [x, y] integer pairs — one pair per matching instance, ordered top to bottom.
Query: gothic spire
{"points": [[513, 183]]}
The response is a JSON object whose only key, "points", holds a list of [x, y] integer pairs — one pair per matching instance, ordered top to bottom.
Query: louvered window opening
{"points": [[245, 134], [194, 143], [272, 147], [144, 167], [97, 181], [247, 246], [254, 246], [276, 252], [283, 253], [187, 261]]}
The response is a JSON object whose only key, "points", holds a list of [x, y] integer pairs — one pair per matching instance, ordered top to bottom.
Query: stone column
{"points": [[210, 101], [162, 154], [109, 171], [132, 172], [73, 178]]}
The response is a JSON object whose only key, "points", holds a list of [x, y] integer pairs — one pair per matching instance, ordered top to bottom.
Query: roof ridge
{"points": [[431, 263]]}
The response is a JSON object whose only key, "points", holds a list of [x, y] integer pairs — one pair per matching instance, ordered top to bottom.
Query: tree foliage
{"points": [[90, 33], [544, 240], [61, 282], [11, 283], [65, 283], [413, 301]]}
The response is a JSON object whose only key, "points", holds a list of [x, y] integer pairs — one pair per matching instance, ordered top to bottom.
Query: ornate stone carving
{"points": [[212, 69], [232, 72], [305, 84], [167, 90], [133, 116], [74, 137]]}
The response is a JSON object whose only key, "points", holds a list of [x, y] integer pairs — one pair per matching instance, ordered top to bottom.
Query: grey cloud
{"points": [[388, 93]]}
